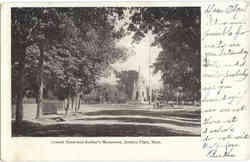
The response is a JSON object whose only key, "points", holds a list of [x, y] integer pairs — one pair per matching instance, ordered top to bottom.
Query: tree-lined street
{"points": [[63, 59]]}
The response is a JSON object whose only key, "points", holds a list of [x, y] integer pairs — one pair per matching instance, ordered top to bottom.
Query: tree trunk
{"points": [[40, 83], [20, 90], [77, 100], [67, 101], [39, 102], [72, 103], [79, 103], [67, 106]]}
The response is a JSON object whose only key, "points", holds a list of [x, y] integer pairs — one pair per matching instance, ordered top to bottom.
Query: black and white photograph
{"points": [[105, 71]]}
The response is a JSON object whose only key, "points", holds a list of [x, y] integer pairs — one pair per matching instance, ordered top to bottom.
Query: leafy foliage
{"points": [[177, 32], [63, 48], [69, 49]]}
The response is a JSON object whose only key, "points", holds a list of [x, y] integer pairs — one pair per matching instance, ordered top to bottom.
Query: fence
{"points": [[30, 106], [52, 107]]}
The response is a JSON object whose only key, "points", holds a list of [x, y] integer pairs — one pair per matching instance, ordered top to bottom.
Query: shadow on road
{"points": [[180, 113], [144, 120], [30, 129]]}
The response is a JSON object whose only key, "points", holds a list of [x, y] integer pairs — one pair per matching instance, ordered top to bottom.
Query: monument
{"points": [[140, 89]]}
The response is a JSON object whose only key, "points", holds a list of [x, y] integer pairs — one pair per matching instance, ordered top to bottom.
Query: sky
{"points": [[143, 50], [139, 59]]}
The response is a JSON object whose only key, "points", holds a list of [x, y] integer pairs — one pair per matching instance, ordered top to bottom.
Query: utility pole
{"points": [[149, 71]]}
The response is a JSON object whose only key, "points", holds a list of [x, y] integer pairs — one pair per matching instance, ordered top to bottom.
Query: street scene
{"points": [[105, 72]]}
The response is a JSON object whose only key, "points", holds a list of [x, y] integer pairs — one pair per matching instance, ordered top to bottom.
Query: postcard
{"points": [[125, 81]]}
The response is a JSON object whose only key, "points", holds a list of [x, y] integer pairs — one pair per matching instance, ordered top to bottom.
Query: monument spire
{"points": [[139, 70]]}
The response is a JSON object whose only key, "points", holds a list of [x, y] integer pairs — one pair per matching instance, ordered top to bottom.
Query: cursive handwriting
{"points": [[225, 75]]}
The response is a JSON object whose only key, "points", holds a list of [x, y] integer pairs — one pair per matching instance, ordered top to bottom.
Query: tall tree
{"points": [[22, 25], [31, 26], [47, 32], [177, 32], [91, 46], [66, 49]]}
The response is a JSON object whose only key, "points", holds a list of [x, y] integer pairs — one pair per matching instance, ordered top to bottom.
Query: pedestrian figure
{"points": [[156, 103]]}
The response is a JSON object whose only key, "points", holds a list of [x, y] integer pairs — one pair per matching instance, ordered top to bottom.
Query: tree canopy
{"points": [[177, 32], [63, 49], [66, 50]]}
